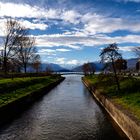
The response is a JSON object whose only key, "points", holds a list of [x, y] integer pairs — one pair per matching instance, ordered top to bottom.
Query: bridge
{"points": [[68, 73]]}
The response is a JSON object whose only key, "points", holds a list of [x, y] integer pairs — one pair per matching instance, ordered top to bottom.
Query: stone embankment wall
{"points": [[125, 120]]}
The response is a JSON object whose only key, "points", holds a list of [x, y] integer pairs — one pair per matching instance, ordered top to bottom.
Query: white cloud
{"points": [[15, 10], [19, 10], [26, 11], [71, 16], [93, 22], [24, 23], [33, 26], [92, 34], [57, 40], [77, 42], [126, 48], [63, 50], [51, 51], [48, 52], [61, 61], [65, 61], [73, 62]]}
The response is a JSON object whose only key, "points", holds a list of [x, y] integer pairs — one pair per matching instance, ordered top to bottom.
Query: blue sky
{"points": [[71, 32]]}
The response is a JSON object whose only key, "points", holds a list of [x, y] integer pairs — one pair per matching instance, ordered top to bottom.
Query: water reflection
{"points": [[68, 112]]}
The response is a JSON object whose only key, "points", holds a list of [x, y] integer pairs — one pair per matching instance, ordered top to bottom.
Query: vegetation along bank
{"points": [[19, 93], [123, 105]]}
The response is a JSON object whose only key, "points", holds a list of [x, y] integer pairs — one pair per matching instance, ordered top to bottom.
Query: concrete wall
{"points": [[127, 122]]}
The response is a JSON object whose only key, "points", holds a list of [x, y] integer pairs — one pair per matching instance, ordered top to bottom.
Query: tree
{"points": [[14, 32], [136, 50], [27, 52], [109, 55], [37, 63], [121, 64], [138, 66], [88, 68], [49, 69]]}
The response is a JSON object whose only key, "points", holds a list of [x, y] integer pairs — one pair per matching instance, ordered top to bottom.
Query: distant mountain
{"points": [[131, 63], [54, 67], [98, 67]]}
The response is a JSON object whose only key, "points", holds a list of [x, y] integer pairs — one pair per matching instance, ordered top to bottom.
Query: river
{"points": [[68, 112]]}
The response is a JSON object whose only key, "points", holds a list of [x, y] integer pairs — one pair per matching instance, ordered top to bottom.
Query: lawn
{"points": [[11, 90], [128, 96]]}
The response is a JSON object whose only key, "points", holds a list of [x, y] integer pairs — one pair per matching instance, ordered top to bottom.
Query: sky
{"points": [[72, 32]]}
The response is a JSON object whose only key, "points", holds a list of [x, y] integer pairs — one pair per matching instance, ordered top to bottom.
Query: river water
{"points": [[68, 112]]}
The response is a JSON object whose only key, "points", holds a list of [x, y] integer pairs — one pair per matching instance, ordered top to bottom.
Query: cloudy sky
{"points": [[70, 32]]}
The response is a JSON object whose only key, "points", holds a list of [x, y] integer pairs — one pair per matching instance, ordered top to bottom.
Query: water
{"points": [[68, 112]]}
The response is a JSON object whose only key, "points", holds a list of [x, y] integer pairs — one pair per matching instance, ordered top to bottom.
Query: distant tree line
{"points": [[18, 49]]}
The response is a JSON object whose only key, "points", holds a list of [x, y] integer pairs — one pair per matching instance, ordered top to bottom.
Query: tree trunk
{"points": [[5, 65], [25, 68], [116, 77]]}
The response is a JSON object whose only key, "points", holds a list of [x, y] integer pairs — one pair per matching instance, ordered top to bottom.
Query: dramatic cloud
{"points": [[92, 22], [101, 24], [62, 29], [77, 42]]}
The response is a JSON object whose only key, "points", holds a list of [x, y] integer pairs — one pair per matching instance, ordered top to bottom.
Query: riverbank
{"points": [[19, 93], [123, 107]]}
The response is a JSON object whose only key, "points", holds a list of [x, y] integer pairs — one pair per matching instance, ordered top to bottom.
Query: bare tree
{"points": [[13, 34], [27, 52], [109, 55], [37, 63]]}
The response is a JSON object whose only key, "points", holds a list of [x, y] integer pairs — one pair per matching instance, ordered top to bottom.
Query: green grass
{"points": [[8, 85], [30, 85], [128, 96]]}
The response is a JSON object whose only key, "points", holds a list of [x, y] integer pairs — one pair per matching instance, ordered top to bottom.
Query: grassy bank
{"points": [[11, 90], [128, 96]]}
